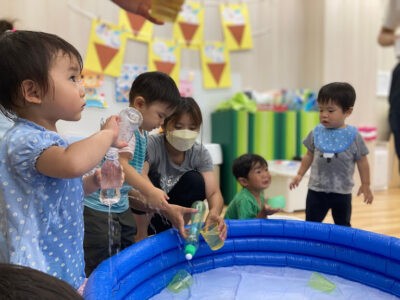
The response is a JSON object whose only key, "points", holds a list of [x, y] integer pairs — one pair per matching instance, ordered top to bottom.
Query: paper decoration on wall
{"points": [[135, 26], [189, 26], [236, 26], [106, 49], [165, 56], [215, 65], [93, 82], [124, 82], [185, 86]]}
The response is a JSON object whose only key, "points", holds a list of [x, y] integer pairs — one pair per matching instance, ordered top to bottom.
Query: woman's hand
{"points": [[176, 215], [216, 219]]}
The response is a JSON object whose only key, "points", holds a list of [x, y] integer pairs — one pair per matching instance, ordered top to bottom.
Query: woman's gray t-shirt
{"points": [[196, 158]]}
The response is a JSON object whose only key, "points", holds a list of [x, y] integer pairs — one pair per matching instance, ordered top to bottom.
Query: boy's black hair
{"points": [[28, 55], [155, 87], [340, 93], [187, 105], [243, 164]]}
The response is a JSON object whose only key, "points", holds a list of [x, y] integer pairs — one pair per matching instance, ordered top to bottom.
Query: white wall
{"points": [[297, 43]]}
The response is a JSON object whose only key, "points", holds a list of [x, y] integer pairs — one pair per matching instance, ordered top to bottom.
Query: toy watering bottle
{"points": [[111, 170], [192, 241]]}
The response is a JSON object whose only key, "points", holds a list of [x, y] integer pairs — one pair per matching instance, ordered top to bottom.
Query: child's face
{"points": [[65, 98], [154, 115], [332, 116], [258, 178]]}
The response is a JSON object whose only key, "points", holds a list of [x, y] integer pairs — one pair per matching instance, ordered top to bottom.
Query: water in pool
{"points": [[259, 282]]}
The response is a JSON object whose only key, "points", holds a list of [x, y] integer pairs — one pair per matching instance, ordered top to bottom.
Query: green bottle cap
{"points": [[190, 250]]}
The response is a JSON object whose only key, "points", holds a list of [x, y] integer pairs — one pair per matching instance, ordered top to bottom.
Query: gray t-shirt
{"points": [[197, 158], [334, 175]]}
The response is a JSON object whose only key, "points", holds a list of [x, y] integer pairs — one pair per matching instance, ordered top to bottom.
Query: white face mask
{"points": [[183, 139]]}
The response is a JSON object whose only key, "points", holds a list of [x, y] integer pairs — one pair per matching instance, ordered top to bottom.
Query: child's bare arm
{"points": [[79, 157], [305, 165], [363, 169], [154, 197], [267, 211]]}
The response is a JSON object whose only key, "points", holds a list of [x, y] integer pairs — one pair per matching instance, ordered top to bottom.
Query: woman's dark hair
{"points": [[187, 105]]}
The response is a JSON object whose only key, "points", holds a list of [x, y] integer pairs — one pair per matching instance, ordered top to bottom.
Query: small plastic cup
{"points": [[166, 10], [277, 202], [211, 236], [182, 280]]}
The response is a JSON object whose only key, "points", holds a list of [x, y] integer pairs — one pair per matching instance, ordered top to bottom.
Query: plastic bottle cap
{"points": [[190, 250]]}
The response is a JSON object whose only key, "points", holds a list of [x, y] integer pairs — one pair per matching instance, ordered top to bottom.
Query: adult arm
{"points": [[139, 7], [386, 37], [215, 203]]}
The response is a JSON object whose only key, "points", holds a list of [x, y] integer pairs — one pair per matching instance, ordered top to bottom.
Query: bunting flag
{"points": [[135, 26], [189, 26], [236, 26], [106, 49], [164, 56], [215, 65], [93, 82], [124, 82], [186, 87]]}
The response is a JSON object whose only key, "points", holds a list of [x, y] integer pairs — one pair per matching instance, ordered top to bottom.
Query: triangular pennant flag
{"points": [[136, 22], [188, 31], [237, 32], [105, 54], [164, 66], [216, 70]]}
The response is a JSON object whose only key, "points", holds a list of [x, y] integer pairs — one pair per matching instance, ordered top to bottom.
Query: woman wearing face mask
{"points": [[183, 168]]}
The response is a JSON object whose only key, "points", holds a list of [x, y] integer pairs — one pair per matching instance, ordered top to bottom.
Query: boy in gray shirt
{"points": [[333, 149]]}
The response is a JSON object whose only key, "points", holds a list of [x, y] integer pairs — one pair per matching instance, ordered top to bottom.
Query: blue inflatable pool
{"points": [[146, 268]]}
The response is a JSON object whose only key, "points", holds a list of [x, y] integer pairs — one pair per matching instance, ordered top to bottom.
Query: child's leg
{"points": [[188, 189], [317, 206], [341, 208], [142, 219], [142, 223]]}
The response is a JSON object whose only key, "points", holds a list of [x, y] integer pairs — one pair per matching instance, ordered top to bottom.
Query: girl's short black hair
{"points": [[28, 55]]}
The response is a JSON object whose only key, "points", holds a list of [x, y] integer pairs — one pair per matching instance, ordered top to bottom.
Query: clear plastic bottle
{"points": [[130, 120], [111, 170], [111, 175], [192, 241]]}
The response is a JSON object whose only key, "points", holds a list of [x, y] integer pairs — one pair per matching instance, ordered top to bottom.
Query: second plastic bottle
{"points": [[192, 241]]}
